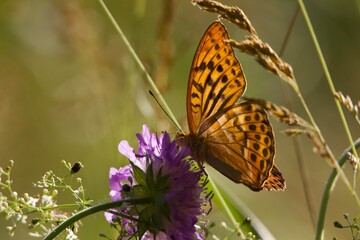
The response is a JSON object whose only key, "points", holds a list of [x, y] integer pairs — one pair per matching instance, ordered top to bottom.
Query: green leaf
{"points": [[139, 175], [150, 182], [139, 191], [238, 212]]}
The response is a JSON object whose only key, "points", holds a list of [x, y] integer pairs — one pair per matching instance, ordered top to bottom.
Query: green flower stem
{"points": [[139, 63], [327, 74], [341, 113], [328, 190], [62, 206], [225, 206], [86, 212], [239, 214]]}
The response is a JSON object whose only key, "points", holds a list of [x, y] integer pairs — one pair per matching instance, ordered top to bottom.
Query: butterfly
{"points": [[235, 138]]}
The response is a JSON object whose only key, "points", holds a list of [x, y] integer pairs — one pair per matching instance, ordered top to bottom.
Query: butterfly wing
{"points": [[216, 78], [236, 139], [240, 144], [275, 180]]}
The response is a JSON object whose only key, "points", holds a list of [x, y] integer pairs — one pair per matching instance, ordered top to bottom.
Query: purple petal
{"points": [[126, 150], [109, 217]]}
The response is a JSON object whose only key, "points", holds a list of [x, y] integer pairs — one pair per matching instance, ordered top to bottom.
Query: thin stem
{"points": [[291, 26], [138, 62], [327, 74], [332, 88], [312, 120], [332, 158], [305, 179], [328, 190], [62, 206], [225, 206], [86, 212], [239, 214]]}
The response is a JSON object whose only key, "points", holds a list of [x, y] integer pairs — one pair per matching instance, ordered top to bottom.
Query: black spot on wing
{"points": [[210, 65], [202, 66], [220, 68], [224, 78], [209, 81], [198, 86], [195, 95], [262, 128], [265, 152], [253, 157], [262, 164]]}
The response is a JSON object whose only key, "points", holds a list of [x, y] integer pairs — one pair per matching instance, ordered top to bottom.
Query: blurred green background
{"points": [[70, 90]]}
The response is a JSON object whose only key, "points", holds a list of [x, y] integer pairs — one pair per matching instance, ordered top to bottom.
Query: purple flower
{"points": [[163, 172]]}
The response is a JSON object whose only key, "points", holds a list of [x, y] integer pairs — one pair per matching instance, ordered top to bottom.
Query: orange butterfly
{"points": [[235, 138]]}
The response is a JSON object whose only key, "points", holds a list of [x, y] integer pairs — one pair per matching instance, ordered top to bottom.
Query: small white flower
{"points": [[54, 193], [26, 196], [46, 200], [32, 201], [18, 216], [23, 219], [11, 229], [35, 234], [70, 235]]}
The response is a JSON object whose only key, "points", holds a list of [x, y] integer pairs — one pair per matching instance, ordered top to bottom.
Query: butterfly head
{"points": [[192, 141]]}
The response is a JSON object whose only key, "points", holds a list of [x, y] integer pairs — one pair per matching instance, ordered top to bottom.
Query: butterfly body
{"points": [[235, 138]]}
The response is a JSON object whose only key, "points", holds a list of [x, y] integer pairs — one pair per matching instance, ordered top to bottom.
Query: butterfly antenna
{"points": [[177, 126]]}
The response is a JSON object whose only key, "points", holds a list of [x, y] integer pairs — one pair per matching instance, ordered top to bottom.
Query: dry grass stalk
{"points": [[232, 14], [253, 45], [165, 53], [267, 57], [347, 102], [281, 113], [294, 131], [320, 148], [353, 160]]}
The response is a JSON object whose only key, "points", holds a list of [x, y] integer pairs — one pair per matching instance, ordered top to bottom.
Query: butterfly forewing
{"points": [[216, 79]]}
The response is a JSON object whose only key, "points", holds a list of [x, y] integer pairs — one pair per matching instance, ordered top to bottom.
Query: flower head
{"points": [[162, 172]]}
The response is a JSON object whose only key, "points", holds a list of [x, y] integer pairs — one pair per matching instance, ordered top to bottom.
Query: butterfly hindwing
{"points": [[216, 78], [242, 138], [275, 180]]}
